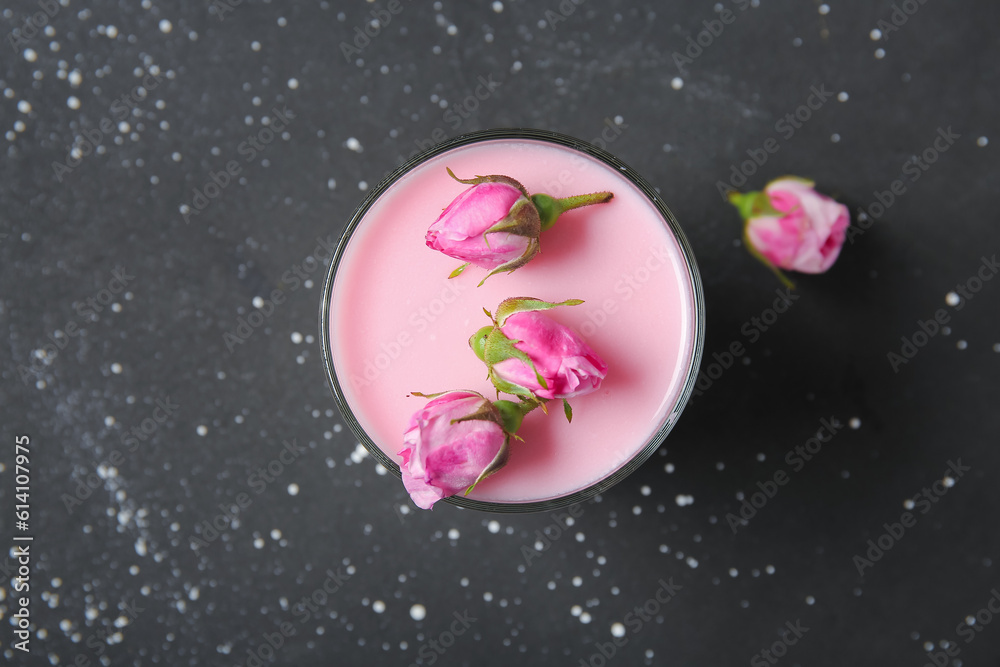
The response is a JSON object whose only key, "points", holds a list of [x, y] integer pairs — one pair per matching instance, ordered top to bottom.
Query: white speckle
{"points": [[498, 6], [824, 9], [282, 21], [166, 26], [452, 30], [112, 32], [875, 35], [797, 41], [255, 45], [880, 53], [30, 55], [516, 67], [75, 78], [293, 83], [677, 83], [842, 96], [73, 102], [24, 106], [982, 141], [353, 145], [175, 156], [331, 184], [362, 185], [952, 299], [257, 302], [296, 337], [961, 344], [996, 347], [109, 421], [854, 423], [202, 430], [359, 454], [669, 467], [948, 482], [293, 489], [645, 490], [683, 500], [909, 504], [636, 510], [493, 527], [275, 534], [453, 534], [258, 542], [140, 546], [769, 569], [733, 572], [577, 581], [194, 593], [488, 596], [810, 600], [378, 606], [576, 610], [418, 612], [585, 618], [617, 630]]}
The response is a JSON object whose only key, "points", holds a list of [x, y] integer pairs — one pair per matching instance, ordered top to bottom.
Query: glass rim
{"points": [[670, 222]]}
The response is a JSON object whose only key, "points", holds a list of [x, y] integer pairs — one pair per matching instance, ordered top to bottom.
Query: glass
{"points": [[694, 286]]}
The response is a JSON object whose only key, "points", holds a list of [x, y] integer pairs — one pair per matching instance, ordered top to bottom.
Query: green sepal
{"points": [[494, 178], [753, 204], [521, 220], [457, 272], [523, 304], [500, 348], [568, 410], [498, 462]]}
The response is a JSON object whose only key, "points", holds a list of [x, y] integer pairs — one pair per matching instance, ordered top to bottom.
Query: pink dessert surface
{"points": [[398, 324]]}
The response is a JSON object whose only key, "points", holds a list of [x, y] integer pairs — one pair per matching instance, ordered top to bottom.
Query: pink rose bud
{"points": [[496, 225], [791, 226], [534, 357], [454, 442]]}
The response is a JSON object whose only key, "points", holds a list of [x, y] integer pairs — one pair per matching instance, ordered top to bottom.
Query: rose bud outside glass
{"points": [[496, 224], [791, 226], [534, 357], [456, 441]]}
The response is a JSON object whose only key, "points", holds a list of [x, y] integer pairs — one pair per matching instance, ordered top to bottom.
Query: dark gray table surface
{"points": [[115, 246]]}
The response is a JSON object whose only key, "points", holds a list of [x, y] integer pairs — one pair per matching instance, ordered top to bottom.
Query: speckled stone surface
{"points": [[145, 252]]}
